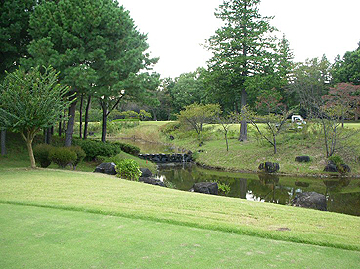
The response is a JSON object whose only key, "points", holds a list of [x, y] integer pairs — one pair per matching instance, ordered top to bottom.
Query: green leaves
{"points": [[31, 100]]}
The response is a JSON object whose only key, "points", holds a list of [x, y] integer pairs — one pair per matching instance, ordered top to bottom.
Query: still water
{"points": [[343, 194]]}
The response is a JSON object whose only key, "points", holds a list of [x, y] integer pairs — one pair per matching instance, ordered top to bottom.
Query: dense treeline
{"points": [[102, 56]]}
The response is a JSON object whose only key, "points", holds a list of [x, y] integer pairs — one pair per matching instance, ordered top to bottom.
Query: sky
{"points": [[177, 29]]}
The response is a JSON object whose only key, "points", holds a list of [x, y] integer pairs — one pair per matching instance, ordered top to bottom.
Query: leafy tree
{"points": [[14, 36], [95, 45], [242, 48], [347, 69], [310, 82], [188, 88], [346, 97], [31, 101], [197, 115], [275, 124]]}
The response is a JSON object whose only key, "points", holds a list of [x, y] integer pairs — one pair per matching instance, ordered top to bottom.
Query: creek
{"points": [[342, 194]]}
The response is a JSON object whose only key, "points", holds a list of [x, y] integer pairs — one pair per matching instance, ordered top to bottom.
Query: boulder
{"points": [[302, 159], [269, 167], [331, 167], [106, 168], [345, 168], [145, 172], [152, 181], [206, 187], [312, 200]]}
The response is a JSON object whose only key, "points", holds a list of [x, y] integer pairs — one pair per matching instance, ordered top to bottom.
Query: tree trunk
{"points": [[80, 112], [87, 117], [104, 121], [243, 123], [70, 126], [28, 139], [3, 142]]}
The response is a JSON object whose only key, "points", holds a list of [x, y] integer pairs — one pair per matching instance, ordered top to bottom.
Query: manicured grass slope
{"points": [[113, 196], [35, 237]]}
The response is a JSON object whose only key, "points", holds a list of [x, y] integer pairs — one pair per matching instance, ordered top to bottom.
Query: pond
{"points": [[343, 194]]}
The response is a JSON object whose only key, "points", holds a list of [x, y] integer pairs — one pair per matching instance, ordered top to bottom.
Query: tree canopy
{"points": [[242, 49], [30, 101]]}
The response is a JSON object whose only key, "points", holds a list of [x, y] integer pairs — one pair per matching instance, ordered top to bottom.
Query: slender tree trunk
{"points": [[80, 112], [87, 117], [104, 121], [243, 123], [70, 126], [29, 139], [3, 142], [227, 143]]}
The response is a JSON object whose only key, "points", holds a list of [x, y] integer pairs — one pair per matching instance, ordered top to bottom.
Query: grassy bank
{"points": [[246, 156], [108, 195]]}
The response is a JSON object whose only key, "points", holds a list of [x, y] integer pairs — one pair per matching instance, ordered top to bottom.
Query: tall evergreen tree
{"points": [[93, 43], [242, 48]]}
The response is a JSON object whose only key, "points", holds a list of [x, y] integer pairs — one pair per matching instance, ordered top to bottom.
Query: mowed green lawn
{"points": [[57, 218], [34, 237]]}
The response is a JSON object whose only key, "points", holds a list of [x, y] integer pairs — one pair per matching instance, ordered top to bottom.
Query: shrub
{"points": [[94, 148], [133, 150], [41, 154], [80, 155], [62, 156], [128, 169]]}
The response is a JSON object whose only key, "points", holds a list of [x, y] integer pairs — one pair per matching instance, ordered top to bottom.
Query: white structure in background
{"points": [[298, 120]]}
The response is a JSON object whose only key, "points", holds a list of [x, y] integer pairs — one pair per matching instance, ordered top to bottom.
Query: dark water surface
{"points": [[343, 194]]}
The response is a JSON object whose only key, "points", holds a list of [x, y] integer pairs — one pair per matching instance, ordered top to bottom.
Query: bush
{"points": [[94, 148], [130, 149], [41, 154], [80, 155], [62, 156], [128, 169]]}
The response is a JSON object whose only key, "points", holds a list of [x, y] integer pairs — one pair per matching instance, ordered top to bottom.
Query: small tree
{"points": [[31, 101], [196, 116], [226, 123], [274, 125]]}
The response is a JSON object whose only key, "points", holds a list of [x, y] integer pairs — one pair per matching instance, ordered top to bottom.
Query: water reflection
{"points": [[343, 195]]}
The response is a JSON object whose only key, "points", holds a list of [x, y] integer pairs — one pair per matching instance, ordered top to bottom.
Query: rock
{"points": [[171, 137], [302, 159], [269, 167], [331, 167], [106, 168], [345, 168], [145, 172], [152, 181], [206, 187], [312, 200]]}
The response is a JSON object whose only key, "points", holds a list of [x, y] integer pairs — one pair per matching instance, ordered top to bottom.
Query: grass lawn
{"points": [[98, 193], [34, 237]]}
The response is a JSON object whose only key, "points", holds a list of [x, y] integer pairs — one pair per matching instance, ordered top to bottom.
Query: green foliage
{"points": [[14, 36], [347, 69], [30, 101], [196, 116], [94, 148], [130, 149], [42, 154], [80, 155], [62, 156], [336, 159], [128, 169], [223, 188]]}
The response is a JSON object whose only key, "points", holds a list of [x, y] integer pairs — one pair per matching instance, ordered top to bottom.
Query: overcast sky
{"points": [[177, 28]]}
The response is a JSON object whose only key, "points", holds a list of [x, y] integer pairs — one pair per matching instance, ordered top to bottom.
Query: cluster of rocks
{"points": [[167, 158], [269, 167], [332, 167], [146, 175]]}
